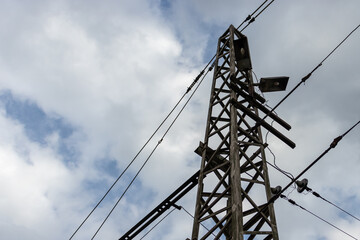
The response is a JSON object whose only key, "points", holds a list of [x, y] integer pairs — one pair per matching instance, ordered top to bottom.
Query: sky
{"points": [[83, 85]]}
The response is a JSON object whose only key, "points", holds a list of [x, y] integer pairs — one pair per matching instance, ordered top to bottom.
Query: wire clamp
{"points": [[306, 78], [335, 142]]}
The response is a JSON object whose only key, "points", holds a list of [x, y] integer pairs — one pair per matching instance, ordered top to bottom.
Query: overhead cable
{"points": [[249, 17], [254, 18], [320, 64], [306, 77], [187, 91], [157, 145], [332, 145], [141, 149], [127, 167], [316, 194], [331, 203], [322, 219]]}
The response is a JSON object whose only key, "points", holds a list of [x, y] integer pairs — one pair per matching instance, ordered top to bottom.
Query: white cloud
{"points": [[113, 70], [33, 179]]}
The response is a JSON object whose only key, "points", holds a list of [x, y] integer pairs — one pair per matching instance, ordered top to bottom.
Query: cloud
{"points": [[97, 78], [33, 179]]}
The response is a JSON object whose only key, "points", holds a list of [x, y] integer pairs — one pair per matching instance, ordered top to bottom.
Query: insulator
{"points": [[302, 185], [276, 190]]}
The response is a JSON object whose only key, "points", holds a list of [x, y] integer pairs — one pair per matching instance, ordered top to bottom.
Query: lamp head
{"points": [[242, 53], [272, 84]]}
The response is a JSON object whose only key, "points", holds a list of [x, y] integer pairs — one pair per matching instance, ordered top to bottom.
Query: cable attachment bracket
{"points": [[211, 66], [305, 78], [195, 81], [335, 142], [176, 206]]}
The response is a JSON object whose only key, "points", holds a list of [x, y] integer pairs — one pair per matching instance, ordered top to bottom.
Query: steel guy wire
{"points": [[158, 143], [317, 216], [200, 222], [157, 223]]}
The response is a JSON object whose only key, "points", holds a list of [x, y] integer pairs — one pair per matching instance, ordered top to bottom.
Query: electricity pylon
{"points": [[232, 201]]}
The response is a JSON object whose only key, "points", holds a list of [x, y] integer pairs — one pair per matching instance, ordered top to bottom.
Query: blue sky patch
{"points": [[165, 4], [37, 124], [109, 166], [136, 194]]}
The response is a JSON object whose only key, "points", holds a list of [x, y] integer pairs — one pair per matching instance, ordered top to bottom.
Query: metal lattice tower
{"points": [[234, 187]]}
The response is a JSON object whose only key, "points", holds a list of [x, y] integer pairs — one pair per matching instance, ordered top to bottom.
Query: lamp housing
{"points": [[242, 53], [273, 84]]}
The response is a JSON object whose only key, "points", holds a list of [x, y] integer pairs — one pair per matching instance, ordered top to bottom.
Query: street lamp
{"points": [[243, 62], [272, 84]]}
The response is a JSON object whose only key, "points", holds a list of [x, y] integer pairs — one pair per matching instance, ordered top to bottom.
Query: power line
{"points": [[249, 17], [254, 18], [320, 64], [303, 80], [187, 91], [177, 115], [335, 141], [158, 143], [332, 145], [141, 149], [127, 167], [317, 194], [331, 203], [322, 219]]}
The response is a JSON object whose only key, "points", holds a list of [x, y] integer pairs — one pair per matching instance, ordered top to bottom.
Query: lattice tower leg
{"points": [[233, 182]]}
